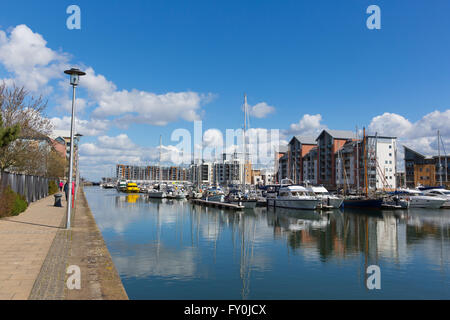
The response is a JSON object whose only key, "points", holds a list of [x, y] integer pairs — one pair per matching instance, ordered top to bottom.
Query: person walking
{"points": [[61, 185], [66, 190]]}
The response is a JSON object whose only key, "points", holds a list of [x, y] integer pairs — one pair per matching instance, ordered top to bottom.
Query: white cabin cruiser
{"points": [[440, 193], [295, 197], [327, 199], [417, 199]]}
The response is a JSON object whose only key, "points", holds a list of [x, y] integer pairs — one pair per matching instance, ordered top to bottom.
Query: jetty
{"points": [[216, 204]]}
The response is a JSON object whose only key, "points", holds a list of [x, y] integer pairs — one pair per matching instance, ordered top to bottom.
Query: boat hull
{"points": [[157, 195], [216, 198], [332, 202], [363, 203], [426, 203], [248, 204], [307, 204]]}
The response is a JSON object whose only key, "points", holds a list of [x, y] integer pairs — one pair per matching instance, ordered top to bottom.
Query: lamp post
{"points": [[74, 80]]}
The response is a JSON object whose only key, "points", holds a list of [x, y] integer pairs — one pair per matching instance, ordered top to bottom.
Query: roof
{"points": [[61, 133], [339, 134], [305, 139], [282, 149]]}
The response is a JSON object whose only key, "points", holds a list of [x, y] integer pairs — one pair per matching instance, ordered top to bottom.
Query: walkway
{"points": [[24, 243], [35, 251]]}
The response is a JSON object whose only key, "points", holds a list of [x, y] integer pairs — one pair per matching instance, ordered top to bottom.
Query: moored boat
{"points": [[132, 188], [295, 197], [327, 199], [362, 202]]}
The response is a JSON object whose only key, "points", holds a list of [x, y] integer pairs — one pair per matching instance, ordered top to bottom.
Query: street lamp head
{"points": [[75, 75]]}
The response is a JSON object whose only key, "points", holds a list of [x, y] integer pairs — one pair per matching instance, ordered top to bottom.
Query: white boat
{"points": [[122, 185], [440, 193], [156, 194], [215, 194], [237, 197], [295, 197], [327, 199], [417, 199]]}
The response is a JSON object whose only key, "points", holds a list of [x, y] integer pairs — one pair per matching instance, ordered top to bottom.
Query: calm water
{"points": [[171, 249]]}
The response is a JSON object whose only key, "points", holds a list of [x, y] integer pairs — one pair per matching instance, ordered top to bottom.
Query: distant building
{"points": [[62, 138], [328, 143], [298, 147], [378, 154], [281, 164], [310, 166], [425, 170], [151, 173]]}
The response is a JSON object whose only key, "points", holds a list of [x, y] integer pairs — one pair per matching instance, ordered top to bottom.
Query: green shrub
{"points": [[52, 187], [11, 203], [20, 205]]}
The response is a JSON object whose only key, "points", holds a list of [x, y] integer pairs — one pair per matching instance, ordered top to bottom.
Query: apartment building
{"points": [[328, 143], [298, 147], [419, 169]]}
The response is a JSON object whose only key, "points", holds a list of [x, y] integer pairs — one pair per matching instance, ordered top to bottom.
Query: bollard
{"points": [[58, 197]]}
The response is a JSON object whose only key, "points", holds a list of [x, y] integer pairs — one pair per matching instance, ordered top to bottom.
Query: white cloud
{"points": [[31, 63], [138, 106], [260, 110], [308, 125], [85, 127], [421, 135], [103, 154]]}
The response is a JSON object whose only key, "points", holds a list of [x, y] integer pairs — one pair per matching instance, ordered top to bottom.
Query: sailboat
{"points": [[160, 193], [243, 198], [363, 201]]}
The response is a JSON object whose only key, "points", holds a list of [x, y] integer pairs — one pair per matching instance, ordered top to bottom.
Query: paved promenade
{"points": [[24, 243], [35, 251]]}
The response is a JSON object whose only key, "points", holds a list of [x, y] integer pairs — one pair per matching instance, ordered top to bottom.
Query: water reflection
{"points": [[244, 252]]}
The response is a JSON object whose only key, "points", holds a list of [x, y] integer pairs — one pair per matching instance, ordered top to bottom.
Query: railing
{"points": [[32, 188]]}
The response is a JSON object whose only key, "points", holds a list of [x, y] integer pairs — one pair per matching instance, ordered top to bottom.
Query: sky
{"points": [[157, 66]]}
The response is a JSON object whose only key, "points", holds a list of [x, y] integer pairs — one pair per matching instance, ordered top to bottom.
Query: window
{"points": [[390, 147], [390, 154]]}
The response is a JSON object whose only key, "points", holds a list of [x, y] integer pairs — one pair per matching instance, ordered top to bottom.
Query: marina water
{"points": [[172, 249]]}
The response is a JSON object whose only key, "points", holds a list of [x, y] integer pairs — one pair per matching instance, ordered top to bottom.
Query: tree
{"points": [[7, 134], [24, 148], [56, 164]]}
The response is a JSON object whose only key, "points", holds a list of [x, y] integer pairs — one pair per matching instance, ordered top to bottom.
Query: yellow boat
{"points": [[132, 188]]}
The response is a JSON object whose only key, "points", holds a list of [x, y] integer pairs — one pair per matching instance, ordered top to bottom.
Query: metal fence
{"points": [[32, 187]]}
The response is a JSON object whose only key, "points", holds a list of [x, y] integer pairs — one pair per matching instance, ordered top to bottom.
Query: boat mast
{"points": [[245, 141], [357, 161], [365, 162], [445, 162], [159, 163], [440, 166]]}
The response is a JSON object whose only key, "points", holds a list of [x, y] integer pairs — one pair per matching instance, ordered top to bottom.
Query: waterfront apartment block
{"points": [[328, 143], [298, 147], [377, 154], [337, 160], [280, 163], [310, 166], [426, 170], [151, 173]]}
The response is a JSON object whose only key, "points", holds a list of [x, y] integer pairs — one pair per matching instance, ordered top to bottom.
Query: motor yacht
{"points": [[440, 193], [295, 197], [327, 199], [417, 199]]}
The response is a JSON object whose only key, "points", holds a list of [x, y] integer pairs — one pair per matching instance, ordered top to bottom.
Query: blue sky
{"points": [[298, 57]]}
